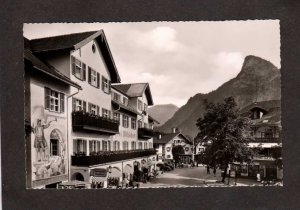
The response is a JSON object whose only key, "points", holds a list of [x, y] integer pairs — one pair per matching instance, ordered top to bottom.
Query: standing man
{"points": [[207, 169]]}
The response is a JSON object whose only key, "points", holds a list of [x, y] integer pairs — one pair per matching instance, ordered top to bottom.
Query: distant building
{"points": [[107, 130], [163, 143]]}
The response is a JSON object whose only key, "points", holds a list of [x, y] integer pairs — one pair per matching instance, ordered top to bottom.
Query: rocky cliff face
{"points": [[258, 80], [163, 112]]}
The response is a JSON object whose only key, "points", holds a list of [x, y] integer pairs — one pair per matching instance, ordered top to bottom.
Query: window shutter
{"points": [[73, 64], [83, 71], [89, 75], [98, 80], [103, 83], [109, 84], [47, 98], [62, 102], [74, 104], [84, 106], [90, 107], [98, 110], [98, 145], [84, 146], [90, 146]]}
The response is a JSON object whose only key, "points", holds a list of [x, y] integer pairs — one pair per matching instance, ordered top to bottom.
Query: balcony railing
{"points": [[82, 121], [145, 133], [266, 140], [111, 156]]}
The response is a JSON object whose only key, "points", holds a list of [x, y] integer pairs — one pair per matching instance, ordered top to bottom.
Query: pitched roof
{"points": [[67, 41], [74, 42], [39, 65], [135, 90], [153, 119], [165, 138]]}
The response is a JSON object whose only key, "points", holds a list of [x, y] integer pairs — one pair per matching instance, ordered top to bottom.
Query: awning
{"points": [[264, 145], [128, 169], [115, 173], [98, 179]]}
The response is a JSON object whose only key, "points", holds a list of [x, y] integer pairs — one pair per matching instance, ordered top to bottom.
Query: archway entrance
{"points": [[77, 176]]}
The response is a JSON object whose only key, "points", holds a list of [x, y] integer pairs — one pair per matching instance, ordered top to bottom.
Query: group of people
{"points": [[208, 170]]}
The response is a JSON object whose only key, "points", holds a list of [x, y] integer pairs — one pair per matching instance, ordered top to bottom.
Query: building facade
{"points": [[102, 120], [265, 139]]}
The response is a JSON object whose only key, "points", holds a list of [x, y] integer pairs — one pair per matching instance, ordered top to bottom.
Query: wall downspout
{"points": [[69, 162]]}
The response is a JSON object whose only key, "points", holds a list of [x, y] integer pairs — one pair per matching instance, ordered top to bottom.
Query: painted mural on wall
{"points": [[49, 157]]}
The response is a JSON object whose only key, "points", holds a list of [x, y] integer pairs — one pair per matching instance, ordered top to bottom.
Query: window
{"points": [[93, 48], [78, 69], [93, 77], [105, 85], [116, 97], [54, 101], [125, 101], [79, 105], [140, 105], [145, 107], [93, 109], [105, 113], [117, 117], [125, 121], [133, 123], [140, 124], [108, 145], [125, 145], [133, 145], [140, 145], [145, 145], [150, 145], [79, 146], [94, 146], [104, 146], [116, 146], [54, 147], [168, 149], [187, 149], [168, 156]]}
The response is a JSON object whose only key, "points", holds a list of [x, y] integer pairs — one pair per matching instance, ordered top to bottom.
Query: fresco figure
{"points": [[40, 143]]}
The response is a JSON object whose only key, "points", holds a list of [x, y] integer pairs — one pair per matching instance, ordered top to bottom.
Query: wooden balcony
{"points": [[85, 122], [145, 133], [110, 156]]}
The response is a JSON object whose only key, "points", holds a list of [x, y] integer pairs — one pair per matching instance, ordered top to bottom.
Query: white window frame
{"points": [[93, 77], [54, 107], [125, 120], [133, 123]]}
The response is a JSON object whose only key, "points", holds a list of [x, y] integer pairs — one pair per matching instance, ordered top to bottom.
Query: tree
{"points": [[224, 132], [177, 150]]}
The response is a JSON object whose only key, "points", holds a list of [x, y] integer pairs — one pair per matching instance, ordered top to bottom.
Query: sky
{"points": [[178, 59]]}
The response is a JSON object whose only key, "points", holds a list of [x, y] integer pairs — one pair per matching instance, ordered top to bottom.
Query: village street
{"points": [[197, 176]]}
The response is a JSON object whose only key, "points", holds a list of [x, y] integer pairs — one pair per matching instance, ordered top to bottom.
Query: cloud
{"points": [[161, 39]]}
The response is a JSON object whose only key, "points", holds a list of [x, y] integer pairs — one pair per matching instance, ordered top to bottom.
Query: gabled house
{"points": [[46, 93], [163, 143]]}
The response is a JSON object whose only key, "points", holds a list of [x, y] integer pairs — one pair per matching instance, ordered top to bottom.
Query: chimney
{"points": [[174, 130]]}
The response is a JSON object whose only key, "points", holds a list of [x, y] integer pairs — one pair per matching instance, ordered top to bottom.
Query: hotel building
{"points": [[109, 132]]}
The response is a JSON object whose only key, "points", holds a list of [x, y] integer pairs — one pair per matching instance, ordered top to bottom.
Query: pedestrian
{"points": [[208, 169], [214, 171]]}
